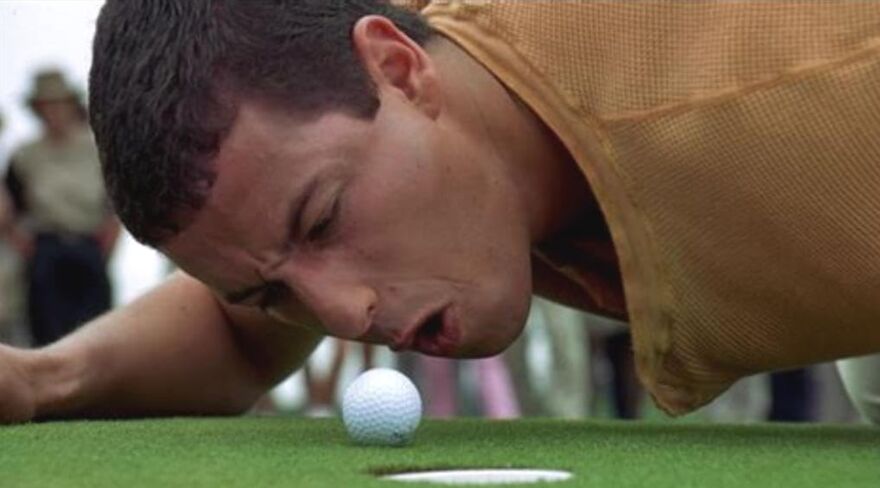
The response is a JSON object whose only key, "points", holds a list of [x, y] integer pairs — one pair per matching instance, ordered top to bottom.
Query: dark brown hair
{"points": [[167, 75]]}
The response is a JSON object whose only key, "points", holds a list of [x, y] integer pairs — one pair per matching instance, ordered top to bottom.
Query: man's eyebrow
{"points": [[297, 206], [293, 220]]}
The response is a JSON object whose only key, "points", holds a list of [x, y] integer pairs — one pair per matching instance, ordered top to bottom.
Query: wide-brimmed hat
{"points": [[51, 86]]}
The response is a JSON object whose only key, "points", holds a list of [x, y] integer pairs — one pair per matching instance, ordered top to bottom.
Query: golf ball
{"points": [[381, 407]]}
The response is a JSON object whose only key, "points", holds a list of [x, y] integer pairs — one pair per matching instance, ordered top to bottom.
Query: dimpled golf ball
{"points": [[381, 407]]}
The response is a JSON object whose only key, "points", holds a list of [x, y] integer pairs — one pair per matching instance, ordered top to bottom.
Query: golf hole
{"points": [[481, 476]]}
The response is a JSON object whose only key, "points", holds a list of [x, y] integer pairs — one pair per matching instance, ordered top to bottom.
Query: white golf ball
{"points": [[381, 407]]}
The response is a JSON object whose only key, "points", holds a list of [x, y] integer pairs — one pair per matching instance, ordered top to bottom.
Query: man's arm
{"points": [[177, 350]]}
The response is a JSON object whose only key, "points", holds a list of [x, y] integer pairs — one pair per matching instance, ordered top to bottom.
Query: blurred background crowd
{"points": [[64, 259]]}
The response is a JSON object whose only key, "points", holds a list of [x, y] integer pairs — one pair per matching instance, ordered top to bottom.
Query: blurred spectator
{"points": [[62, 225], [11, 327], [12, 330], [861, 377], [438, 381], [441, 381], [322, 388], [564, 390], [625, 390], [791, 396], [747, 401]]}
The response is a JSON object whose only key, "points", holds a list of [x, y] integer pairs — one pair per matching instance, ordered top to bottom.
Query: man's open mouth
{"points": [[436, 335], [439, 335]]}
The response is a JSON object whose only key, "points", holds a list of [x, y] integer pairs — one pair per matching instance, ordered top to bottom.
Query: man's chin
{"points": [[477, 339], [484, 349], [466, 351]]}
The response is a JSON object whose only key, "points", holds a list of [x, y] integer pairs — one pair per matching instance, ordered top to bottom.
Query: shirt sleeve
{"points": [[414, 5]]}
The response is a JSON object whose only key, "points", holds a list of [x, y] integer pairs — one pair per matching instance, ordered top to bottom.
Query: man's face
{"points": [[58, 116], [402, 230]]}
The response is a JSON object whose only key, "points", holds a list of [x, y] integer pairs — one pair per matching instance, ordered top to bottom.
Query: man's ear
{"points": [[396, 62]]}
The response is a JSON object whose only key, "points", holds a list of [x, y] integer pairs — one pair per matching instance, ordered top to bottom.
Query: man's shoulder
{"points": [[25, 152]]}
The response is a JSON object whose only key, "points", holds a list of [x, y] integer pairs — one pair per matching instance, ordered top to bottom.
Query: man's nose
{"points": [[344, 307]]}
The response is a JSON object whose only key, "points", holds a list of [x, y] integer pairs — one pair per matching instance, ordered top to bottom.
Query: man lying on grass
{"points": [[354, 169]]}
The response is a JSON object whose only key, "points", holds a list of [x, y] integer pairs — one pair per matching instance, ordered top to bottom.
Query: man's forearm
{"points": [[174, 351]]}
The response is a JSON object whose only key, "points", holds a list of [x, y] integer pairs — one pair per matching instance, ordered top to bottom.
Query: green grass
{"points": [[294, 452]]}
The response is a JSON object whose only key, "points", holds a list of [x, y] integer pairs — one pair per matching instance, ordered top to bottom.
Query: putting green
{"points": [[296, 452]]}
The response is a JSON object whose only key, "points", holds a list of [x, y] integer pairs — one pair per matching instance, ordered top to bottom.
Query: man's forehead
{"points": [[257, 123], [259, 126], [252, 143], [264, 166], [248, 196], [218, 262]]}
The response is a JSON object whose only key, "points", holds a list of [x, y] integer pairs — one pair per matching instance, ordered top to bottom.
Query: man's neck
{"points": [[60, 135], [553, 190]]}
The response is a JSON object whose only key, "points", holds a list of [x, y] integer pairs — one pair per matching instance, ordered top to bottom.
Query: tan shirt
{"points": [[735, 152], [63, 188]]}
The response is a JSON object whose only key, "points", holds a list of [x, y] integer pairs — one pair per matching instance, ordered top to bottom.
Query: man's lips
{"points": [[436, 334], [440, 336], [407, 339]]}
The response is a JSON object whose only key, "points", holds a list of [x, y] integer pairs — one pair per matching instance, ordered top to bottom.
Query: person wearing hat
{"points": [[62, 224]]}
